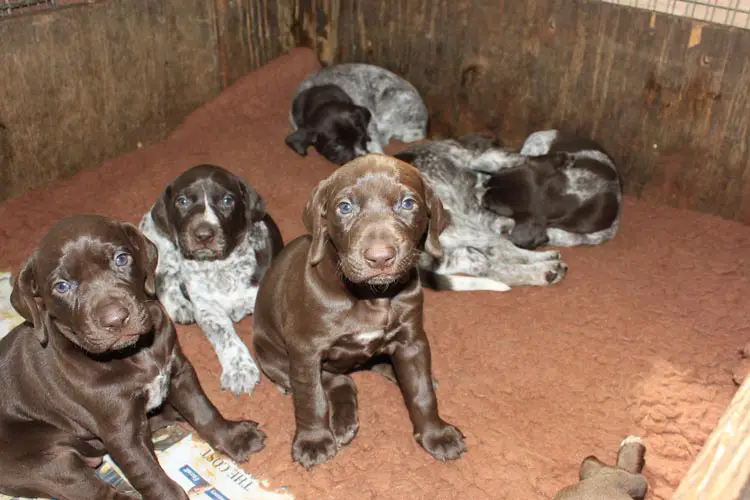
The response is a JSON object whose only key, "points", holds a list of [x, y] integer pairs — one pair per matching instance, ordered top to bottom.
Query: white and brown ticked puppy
{"points": [[348, 110], [567, 192], [475, 242], [215, 243]]}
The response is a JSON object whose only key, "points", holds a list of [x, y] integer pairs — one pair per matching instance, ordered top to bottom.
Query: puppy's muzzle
{"points": [[204, 233], [204, 241], [380, 256], [113, 316], [118, 322]]}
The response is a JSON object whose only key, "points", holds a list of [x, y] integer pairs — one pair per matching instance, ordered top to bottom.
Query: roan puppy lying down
{"points": [[351, 109], [565, 192], [348, 297], [95, 367], [600, 481]]}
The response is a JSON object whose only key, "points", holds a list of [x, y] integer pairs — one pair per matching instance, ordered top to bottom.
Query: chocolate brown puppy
{"points": [[348, 297], [96, 364]]}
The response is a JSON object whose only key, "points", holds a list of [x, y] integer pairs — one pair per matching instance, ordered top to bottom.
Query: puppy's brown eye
{"points": [[181, 201], [122, 259], [62, 287]]}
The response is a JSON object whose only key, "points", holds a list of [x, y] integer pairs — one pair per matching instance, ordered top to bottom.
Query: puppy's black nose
{"points": [[204, 233], [380, 256], [114, 316]]}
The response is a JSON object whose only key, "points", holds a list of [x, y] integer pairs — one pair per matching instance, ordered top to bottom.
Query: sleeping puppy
{"points": [[348, 110], [567, 193], [215, 243], [477, 253], [348, 297], [95, 364], [599, 481]]}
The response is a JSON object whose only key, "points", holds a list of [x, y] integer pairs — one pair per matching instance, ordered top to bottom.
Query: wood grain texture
{"points": [[251, 33], [88, 82], [84, 83], [665, 95], [722, 468]]}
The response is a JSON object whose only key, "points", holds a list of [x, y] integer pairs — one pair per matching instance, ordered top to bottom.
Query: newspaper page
{"points": [[203, 473]]}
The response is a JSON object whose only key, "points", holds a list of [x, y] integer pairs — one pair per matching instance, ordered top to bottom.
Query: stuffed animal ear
{"points": [[300, 140], [314, 218], [439, 220], [148, 256], [26, 300], [631, 456], [590, 467]]}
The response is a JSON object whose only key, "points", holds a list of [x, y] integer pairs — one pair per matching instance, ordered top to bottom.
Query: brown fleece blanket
{"points": [[640, 338]]}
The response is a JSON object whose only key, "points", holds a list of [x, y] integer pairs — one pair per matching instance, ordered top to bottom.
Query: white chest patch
{"points": [[366, 337], [158, 388]]}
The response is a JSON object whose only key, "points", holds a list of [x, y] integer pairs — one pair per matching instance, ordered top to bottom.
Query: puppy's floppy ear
{"points": [[363, 116], [300, 140], [562, 160], [255, 207], [159, 213], [314, 219], [439, 220], [148, 256], [26, 300]]}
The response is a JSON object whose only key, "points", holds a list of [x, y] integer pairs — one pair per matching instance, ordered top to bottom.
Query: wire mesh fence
{"points": [[11, 7], [728, 12]]}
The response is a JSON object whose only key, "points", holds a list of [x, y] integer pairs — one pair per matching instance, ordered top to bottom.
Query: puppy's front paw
{"points": [[503, 226], [556, 273], [183, 315], [242, 375], [344, 423], [240, 439], [444, 442], [313, 447]]}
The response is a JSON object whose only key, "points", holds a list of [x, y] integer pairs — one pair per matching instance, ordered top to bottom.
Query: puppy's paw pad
{"points": [[556, 274], [240, 379], [345, 424], [242, 439], [443, 443], [314, 448]]}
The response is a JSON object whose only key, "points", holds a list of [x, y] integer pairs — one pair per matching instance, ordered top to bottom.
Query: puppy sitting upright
{"points": [[348, 110], [215, 243], [348, 297], [96, 356]]}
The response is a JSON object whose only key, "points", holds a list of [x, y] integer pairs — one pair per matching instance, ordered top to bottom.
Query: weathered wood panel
{"points": [[251, 33], [84, 83], [668, 97], [721, 471]]}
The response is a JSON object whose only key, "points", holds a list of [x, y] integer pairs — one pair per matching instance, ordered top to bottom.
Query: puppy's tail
{"points": [[456, 283]]}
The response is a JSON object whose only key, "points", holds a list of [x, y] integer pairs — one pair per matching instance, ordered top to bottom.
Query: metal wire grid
{"points": [[10, 7], [728, 12]]}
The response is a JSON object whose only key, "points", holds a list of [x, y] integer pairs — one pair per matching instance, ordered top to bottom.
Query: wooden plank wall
{"points": [[83, 83], [668, 97]]}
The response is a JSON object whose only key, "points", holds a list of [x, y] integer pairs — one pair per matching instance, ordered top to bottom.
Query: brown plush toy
{"points": [[599, 481]]}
